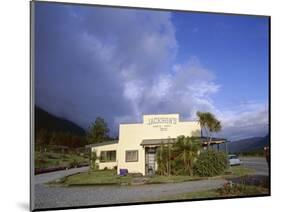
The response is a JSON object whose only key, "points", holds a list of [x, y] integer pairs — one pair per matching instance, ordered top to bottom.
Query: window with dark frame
{"points": [[108, 156], [132, 156]]}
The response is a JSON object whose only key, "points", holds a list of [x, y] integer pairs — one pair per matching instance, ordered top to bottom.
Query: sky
{"points": [[120, 63]]}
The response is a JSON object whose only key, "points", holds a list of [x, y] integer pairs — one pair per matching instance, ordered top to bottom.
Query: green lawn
{"points": [[52, 159], [239, 171], [103, 177], [110, 177]]}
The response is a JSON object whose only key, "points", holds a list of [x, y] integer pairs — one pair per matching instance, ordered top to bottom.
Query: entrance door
{"points": [[150, 160]]}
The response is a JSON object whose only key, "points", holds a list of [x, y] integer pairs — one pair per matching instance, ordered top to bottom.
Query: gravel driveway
{"points": [[50, 197]]}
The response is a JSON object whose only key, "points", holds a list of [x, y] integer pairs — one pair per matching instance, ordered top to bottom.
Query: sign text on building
{"points": [[162, 120]]}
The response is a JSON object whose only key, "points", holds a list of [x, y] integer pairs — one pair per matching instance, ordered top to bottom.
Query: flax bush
{"points": [[211, 163]]}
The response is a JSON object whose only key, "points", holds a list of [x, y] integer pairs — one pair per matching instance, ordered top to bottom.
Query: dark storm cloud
{"points": [[84, 57]]}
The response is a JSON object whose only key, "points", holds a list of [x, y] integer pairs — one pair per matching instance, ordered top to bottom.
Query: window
{"points": [[108, 156], [132, 156]]}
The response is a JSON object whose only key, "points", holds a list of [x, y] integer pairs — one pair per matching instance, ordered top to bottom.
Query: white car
{"points": [[234, 160]]}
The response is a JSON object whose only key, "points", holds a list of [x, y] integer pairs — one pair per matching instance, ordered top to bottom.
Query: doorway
{"points": [[150, 160]]}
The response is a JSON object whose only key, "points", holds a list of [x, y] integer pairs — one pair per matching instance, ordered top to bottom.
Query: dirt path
{"points": [[44, 178]]}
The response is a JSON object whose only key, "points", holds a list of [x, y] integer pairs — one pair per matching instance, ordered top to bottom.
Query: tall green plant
{"points": [[186, 150], [162, 156]]}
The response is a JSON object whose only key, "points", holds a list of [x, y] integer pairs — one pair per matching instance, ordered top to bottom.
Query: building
{"points": [[136, 148]]}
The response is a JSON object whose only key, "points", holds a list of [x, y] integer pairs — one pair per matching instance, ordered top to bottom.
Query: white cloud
{"points": [[184, 90], [247, 119]]}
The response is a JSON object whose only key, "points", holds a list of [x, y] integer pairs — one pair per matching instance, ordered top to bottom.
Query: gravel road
{"points": [[259, 164], [49, 197]]}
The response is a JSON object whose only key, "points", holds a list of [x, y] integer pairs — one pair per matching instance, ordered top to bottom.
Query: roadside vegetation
{"points": [[56, 148], [59, 150], [49, 159], [235, 190]]}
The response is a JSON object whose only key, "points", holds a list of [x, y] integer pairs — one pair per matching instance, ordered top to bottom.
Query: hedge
{"points": [[211, 163]]}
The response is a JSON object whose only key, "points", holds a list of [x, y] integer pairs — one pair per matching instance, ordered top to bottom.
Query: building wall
{"points": [[153, 127], [130, 137], [109, 147]]}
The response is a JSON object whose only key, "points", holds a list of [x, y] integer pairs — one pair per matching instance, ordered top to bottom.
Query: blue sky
{"points": [[235, 48], [122, 63]]}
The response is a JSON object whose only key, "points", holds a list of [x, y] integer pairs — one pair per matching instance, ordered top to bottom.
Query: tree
{"points": [[209, 123], [215, 126], [98, 131], [41, 139], [187, 150], [93, 159]]}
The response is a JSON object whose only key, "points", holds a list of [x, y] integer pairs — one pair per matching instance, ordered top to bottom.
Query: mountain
{"points": [[52, 123], [248, 144]]}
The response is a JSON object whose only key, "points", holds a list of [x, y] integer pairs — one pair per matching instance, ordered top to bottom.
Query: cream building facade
{"points": [[135, 151]]}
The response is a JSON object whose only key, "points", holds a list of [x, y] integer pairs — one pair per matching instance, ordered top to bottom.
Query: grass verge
{"points": [[238, 171], [104, 177], [172, 179], [239, 190]]}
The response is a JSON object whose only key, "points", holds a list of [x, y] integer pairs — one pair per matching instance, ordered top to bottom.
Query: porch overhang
{"points": [[165, 141], [157, 142]]}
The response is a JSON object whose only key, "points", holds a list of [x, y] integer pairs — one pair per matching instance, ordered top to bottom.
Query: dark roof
{"points": [[172, 140], [157, 141], [102, 143]]}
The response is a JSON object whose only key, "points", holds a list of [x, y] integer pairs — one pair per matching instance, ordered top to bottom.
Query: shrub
{"points": [[93, 158], [211, 163], [73, 164], [231, 189]]}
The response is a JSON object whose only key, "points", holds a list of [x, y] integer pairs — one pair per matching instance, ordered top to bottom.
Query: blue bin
{"points": [[123, 172]]}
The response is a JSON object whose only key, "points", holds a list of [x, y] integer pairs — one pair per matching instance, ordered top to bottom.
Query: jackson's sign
{"points": [[162, 120]]}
